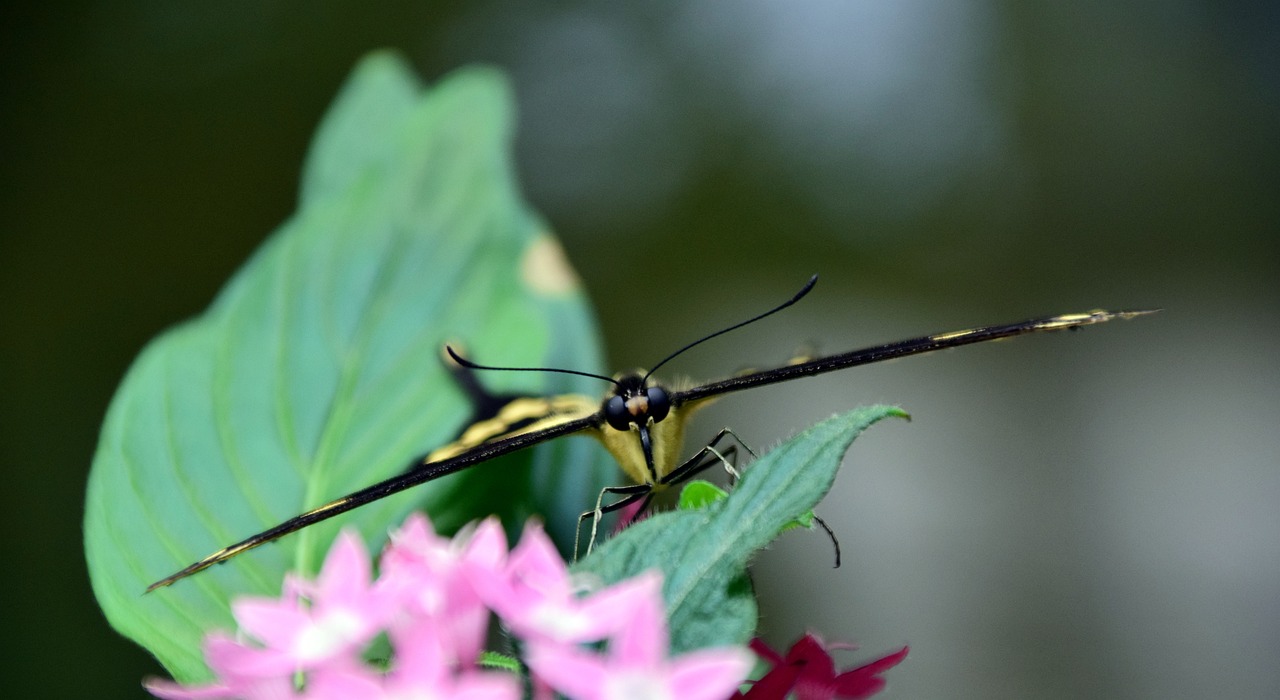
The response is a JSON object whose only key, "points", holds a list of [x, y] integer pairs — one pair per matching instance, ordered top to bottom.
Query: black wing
{"points": [[903, 348], [417, 473]]}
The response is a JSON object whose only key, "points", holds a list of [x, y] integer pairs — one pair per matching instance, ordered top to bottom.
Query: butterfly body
{"points": [[635, 412], [666, 440]]}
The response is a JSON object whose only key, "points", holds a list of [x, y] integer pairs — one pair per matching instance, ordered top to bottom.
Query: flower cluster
{"points": [[432, 600]]}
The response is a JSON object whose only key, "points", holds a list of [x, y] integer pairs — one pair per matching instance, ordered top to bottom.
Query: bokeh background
{"points": [[1094, 514]]}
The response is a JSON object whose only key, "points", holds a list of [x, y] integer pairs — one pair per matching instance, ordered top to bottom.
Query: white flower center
{"points": [[559, 622], [326, 635], [635, 685]]}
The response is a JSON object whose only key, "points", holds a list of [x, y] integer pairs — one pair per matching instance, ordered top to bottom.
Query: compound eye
{"points": [[659, 403], [616, 413]]}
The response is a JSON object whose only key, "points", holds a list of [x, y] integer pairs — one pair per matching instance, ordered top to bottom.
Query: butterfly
{"points": [[640, 421]]}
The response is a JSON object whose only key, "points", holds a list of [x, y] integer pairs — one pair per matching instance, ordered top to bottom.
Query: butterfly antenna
{"points": [[798, 296], [472, 365]]}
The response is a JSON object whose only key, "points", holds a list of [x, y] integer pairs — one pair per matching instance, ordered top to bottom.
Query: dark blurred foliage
{"points": [[940, 164]]}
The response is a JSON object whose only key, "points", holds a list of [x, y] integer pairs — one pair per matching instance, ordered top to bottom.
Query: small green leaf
{"points": [[316, 371], [699, 494], [804, 520], [703, 553], [502, 662]]}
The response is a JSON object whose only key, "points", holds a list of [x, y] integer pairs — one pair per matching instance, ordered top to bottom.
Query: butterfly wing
{"points": [[904, 348], [560, 416]]}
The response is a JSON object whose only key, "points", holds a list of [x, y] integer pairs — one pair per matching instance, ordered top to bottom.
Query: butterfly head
{"points": [[632, 404], [633, 407]]}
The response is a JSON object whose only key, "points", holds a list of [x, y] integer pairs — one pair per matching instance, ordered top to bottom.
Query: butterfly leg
{"points": [[728, 432], [708, 456], [635, 492], [629, 494], [831, 535]]}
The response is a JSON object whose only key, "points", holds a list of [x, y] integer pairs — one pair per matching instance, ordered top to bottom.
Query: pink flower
{"points": [[432, 575], [537, 598], [432, 603], [314, 622], [226, 657], [636, 664], [421, 669], [809, 671]]}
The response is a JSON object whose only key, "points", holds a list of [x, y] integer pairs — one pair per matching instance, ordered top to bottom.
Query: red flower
{"points": [[809, 671]]}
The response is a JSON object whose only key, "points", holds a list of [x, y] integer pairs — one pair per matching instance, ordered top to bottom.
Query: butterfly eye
{"points": [[659, 403], [616, 413]]}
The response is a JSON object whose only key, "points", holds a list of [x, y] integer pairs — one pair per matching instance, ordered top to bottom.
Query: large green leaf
{"points": [[316, 371], [703, 554]]}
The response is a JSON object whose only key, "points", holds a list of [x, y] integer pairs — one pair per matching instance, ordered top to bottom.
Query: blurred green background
{"points": [[1085, 515]]}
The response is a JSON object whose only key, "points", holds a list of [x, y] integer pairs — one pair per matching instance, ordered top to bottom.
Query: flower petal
{"points": [[487, 546], [536, 561], [346, 571], [275, 623], [641, 637], [765, 652], [810, 654], [233, 661], [575, 673], [712, 674], [865, 681], [344, 683], [775, 684], [486, 686], [172, 691]]}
